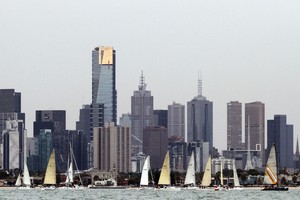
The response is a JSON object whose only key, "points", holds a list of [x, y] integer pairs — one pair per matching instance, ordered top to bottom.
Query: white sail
{"points": [[271, 168], [221, 172], [70, 173], [190, 174], [26, 176], [235, 176], [165, 178], [144, 179], [18, 181], [206, 181]]}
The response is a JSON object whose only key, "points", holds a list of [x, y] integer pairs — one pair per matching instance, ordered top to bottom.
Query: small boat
{"points": [[50, 176], [165, 176], [270, 178], [206, 180], [144, 182], [190, 182], [236, 182], [24, 183], [68, 184], [221, 187]]}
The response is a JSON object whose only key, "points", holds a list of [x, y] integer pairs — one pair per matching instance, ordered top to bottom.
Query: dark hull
{"points": [[275, 189]]}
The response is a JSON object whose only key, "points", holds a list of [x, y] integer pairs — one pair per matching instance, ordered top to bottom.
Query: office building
{"points": [[104, 85], [10, 108], [141, 115], [160, 118], [200, 119], [55, 120], [125, 120], [176, 120], [255, 124], [234, 125], [281, 134], [14, 140], [155, 145], [112, 146], [178, 154]]}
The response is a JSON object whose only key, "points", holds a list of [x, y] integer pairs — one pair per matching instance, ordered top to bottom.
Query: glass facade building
{"points": [[104, 82]]}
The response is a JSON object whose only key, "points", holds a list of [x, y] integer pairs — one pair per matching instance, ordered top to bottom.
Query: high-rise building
{"points": [[104, 84], [10, 108], [255, 113], [141, 115], [160, 118], [200, 119], [55, 120], [125, 120], [176, 120], [234, 125], [281, 134], [14, 140], [155, 145], [112, 146], [44, 147]]}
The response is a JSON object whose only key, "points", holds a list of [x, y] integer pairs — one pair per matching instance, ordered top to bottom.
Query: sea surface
{"points": [[132, 194]]}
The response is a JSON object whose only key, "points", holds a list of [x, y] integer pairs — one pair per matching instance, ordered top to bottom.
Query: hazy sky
{"points": [[247, 51]]}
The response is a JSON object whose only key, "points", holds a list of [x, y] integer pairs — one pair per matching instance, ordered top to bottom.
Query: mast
{"points": [[249, 162]]}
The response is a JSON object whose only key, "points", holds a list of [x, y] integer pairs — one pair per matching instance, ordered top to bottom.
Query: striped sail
{"points": [[190, 174], [235, 176], [50, 177], [270, 177], [164, 178], [144, 179], [206, 181]]}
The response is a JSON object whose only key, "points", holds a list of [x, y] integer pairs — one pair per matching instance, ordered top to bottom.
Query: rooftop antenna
{"points": [[199, 84], [142, 85]]}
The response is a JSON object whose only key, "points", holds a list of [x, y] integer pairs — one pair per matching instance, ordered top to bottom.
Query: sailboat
{"points": [[70, 173], [50, 176], [165, 176], [270, 178], [206, 180], [190, 181], [144, 182], [236, 182], [24, 183], [221, 186]]}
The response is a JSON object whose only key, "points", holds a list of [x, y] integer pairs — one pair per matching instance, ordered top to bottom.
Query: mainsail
{"points": [[221, 172], [190, 174], [70, 175], [235, 176], [26, 177], [50, 177], [270, 177], [164, 178], [144, 179], [18, 181], [206, 181]]}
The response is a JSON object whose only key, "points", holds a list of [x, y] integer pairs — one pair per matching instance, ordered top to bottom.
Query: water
{"points": [[133, 194]]}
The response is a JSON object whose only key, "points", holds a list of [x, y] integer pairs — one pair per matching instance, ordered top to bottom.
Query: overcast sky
{"points": [[247, 51]]}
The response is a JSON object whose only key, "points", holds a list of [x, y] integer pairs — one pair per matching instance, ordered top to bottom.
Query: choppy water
{"points": [[132, 194]]}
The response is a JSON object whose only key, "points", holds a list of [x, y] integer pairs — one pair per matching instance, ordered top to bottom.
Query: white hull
{"points": [[175, 189]]}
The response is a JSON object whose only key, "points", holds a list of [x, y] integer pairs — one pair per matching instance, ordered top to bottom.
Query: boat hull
{"points": [[275, 189]]}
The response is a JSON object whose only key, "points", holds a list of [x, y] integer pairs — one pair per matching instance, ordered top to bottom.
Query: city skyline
{"points": [[244, 53]]}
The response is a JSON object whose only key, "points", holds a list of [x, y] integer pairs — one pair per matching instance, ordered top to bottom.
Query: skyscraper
{"points": [[104, 84], [255, 113], [141, 114], [160, 118], [200, 119], [55, 120], [176, 120], [234, 125], [281, 134], [155, 145], [112, 146]]}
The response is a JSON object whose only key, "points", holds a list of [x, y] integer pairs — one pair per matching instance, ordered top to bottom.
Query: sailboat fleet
{"points": [[164, 183]]}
